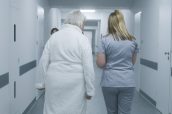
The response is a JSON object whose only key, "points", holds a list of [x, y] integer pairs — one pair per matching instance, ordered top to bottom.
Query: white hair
{"points": [[75, 18]]}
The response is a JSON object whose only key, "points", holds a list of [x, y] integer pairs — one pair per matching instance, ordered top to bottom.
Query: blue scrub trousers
{"points": [[118, 99]]}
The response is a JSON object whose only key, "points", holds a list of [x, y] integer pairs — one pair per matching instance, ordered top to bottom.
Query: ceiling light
{"points": [[87, 11]]}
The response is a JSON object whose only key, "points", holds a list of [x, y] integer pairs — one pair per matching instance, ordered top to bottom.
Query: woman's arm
{"points": [[101, 60]]}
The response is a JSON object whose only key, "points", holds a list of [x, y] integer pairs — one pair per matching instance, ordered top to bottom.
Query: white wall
{"points": [[24, 15], [52, 18], [55, 18], [26, 19], [47, 19], [43, 24], [149, 36], [40, 39], [155, 41], [4, 44], [164, 73]]}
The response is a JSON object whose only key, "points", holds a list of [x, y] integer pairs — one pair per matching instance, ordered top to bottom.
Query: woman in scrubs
{"points": [[116, 56]]}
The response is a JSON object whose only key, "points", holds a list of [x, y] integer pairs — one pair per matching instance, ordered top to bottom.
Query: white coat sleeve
{"points": [[87, 61], [43, 66]]}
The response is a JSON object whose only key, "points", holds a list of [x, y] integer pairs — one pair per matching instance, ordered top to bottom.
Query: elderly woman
{"points": [[68, 67]]}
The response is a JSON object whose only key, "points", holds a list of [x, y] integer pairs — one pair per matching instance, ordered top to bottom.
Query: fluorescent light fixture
{"points": [[87, 10]]}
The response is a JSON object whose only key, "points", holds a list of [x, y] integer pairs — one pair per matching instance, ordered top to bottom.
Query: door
{"points": [[13, 57]]}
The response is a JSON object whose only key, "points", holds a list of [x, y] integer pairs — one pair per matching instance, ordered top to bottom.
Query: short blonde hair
{"points": [[75, 18], [117, 27]]}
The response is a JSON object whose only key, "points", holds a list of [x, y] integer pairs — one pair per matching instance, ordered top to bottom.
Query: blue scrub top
{"points": [[119, 70]]}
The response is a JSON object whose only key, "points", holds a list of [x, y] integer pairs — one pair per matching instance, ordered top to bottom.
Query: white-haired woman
{"points": [[117, 55], [68, 67]]}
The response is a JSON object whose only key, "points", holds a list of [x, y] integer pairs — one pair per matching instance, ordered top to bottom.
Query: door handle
{"points": [[14, 32], [168, 54]]}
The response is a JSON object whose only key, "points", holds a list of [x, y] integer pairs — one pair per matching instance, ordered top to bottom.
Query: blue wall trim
{"points": [[148, 63], [27, 67], [4, 80], [152, 101], [29, 106]]}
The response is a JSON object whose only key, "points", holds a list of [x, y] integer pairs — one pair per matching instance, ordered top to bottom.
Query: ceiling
{"points": [[91, 3]]}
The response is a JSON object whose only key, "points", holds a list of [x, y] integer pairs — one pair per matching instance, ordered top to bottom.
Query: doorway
{"points": [[92, 31]]}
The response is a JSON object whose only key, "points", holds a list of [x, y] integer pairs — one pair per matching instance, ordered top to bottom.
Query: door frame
{"points": [[137, 25]]}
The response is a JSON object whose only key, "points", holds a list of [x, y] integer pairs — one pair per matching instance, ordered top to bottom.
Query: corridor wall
{"points": [[47, 18], [55, 18], [18, 32], [149, 42], [155, 42], [22, 55]]}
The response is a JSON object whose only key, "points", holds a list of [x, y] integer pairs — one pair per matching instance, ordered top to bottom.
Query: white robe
{"points": [[69, 75]]}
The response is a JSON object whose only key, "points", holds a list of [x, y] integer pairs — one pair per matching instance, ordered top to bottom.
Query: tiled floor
{"points": [[97, 105]]}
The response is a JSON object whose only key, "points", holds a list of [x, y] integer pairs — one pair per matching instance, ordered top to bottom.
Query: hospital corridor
{"points": [[56, 56]]}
